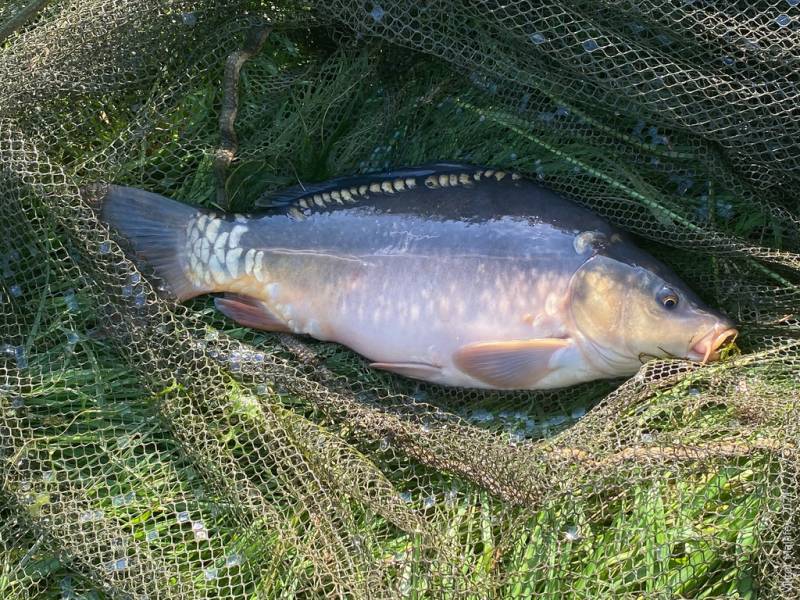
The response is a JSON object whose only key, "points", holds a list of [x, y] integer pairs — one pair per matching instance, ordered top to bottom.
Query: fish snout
{"points": [[709, 346]]}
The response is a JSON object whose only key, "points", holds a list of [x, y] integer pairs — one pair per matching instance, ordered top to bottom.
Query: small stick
{"points": [[23, 16], [229, 142], [694, 452]]}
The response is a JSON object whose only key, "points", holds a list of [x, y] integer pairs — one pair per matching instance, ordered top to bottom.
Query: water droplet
{"points": [[792, 2], [377, 13], [189, 19], [783, 20], [636, 27], [537, 38], [664, 39], [590, 45], [752, 45], [728, 60], [562, 111], [513, 156], [684, 185], [105, 248], [135, 278], [16, 291], [127, 291], [140, 300], [212, 335], [73, 337], [19, 355], [258, 357], [235, 366], [262, 389], [694, 391], [420, 396], [17, 402], [577, 412], [481, 415], [555, 420], [515, 438], [647, 438], [123, 441], [384, 445], [48, 476], [405, 497], [450, 497], [123, 499], [429, 502], [183, 516], [198, 526], [572, 534], [151, 535], [201, 535], [118, 543], [233, 560], [117, 565], [67, 591]]}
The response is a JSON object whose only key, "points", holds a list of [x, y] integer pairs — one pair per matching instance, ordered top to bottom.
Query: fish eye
{"points": [[667, 298]]}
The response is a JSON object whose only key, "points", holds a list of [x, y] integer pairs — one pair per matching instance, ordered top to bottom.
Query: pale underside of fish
{"points": [[452, 274]]}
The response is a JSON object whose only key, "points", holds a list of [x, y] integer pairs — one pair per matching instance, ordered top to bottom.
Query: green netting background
{"points": [[149, 450]]}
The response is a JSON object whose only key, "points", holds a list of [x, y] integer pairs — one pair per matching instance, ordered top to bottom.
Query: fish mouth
{"points": [[708, 348]]}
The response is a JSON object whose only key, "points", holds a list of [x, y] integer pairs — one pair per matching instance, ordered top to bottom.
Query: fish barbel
{"points": [[453, 274]]}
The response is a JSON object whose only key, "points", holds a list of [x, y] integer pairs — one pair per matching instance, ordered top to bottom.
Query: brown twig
{"points": [[23, 16], [229, 142], [694, 452]]}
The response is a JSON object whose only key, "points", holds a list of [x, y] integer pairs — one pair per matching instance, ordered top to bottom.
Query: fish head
{"points": [[626, 312]]}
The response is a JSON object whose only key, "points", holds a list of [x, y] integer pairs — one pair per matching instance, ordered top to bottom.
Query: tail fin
{"points": [[156, 228]]}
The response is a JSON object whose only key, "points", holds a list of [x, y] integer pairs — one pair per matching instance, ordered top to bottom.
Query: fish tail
{"points": [[156, 228]]}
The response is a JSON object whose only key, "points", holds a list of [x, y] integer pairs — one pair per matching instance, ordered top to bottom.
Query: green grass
{"points": [[96, 445]]}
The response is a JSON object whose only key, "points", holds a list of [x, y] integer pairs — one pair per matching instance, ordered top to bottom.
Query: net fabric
{"points": [[158, 451]]}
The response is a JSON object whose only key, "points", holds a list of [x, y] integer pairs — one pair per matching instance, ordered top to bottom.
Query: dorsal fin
{"points": [[351, 189]]}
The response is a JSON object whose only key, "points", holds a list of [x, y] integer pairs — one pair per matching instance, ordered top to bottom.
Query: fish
{"points": [[452, 274]]}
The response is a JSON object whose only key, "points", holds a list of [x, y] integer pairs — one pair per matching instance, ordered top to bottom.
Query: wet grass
{"points": [[94, 439]]}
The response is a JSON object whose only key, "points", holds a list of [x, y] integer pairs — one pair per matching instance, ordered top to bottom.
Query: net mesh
{"points": [[154, 450]]}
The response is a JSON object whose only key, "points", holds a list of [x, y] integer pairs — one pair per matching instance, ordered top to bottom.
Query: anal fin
{"points": [[250, 312], [414, 370]]}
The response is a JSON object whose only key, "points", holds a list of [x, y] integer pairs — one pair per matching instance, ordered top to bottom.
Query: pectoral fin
{"points": [[249, 312], [516, 364], [409, 369]]}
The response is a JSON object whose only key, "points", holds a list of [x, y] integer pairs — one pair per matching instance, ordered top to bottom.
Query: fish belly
{"points": [[406, 309]]}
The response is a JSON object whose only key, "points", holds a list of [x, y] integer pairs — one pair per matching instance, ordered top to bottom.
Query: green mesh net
{"points": [[153, 450]]}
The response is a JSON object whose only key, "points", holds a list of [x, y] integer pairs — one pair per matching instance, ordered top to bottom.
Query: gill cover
{"points": [[597, 299]]}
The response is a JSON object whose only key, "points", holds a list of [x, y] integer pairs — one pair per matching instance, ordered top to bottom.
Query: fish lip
{"points": [[707, 349]]}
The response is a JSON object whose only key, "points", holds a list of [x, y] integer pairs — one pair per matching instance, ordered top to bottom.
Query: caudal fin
{"points": [[155, 226]]}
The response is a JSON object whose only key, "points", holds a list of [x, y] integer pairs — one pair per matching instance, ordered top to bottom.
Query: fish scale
{"points": [[454, 274]]}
